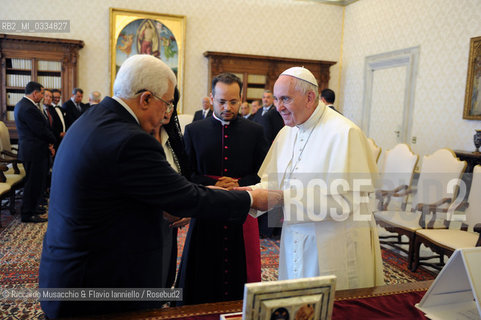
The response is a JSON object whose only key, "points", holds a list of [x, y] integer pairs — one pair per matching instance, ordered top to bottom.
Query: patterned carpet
{"points": [[21, 245]]}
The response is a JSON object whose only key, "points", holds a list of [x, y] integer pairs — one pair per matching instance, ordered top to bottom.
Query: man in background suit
{"points": [[56, 96], [328, 97], [94, 99], [255, 106], [73, 107], [245, 110], [205, 112], [268, 117], [53, 118], [59, 122], [35, 141], [110, 185], [270, 223], [220, 257]]}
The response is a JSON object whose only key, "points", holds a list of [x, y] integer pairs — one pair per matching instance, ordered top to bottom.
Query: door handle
{"points": [[397, 132]]}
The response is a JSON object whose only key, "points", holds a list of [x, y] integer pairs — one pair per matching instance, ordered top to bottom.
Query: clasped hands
{"points": [[262, 199]]}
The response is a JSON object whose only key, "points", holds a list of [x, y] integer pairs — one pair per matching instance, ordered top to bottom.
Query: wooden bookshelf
{"points": [[49, 61]]}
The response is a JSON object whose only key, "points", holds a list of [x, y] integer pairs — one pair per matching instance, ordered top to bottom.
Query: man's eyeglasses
{"points": [[170, 105]]}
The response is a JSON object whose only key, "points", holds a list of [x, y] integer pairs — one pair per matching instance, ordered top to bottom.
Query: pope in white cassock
{"points": [[322, 163]]}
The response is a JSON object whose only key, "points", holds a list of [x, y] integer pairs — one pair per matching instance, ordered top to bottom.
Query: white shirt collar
{"points": [[32, 101], [126, 106], [313, 119], [224, 123], [164, 137]]}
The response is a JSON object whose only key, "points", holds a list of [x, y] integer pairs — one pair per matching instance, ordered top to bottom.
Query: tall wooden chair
{"points": [[396, 175], [14, 176], [431, 197], [446, 241]]}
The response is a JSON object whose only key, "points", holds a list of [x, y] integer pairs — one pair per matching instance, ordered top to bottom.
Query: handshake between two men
{"points": [[262, 200]]}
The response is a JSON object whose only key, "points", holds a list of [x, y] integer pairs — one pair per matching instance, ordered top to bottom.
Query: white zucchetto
{"points": [[302, 74]]}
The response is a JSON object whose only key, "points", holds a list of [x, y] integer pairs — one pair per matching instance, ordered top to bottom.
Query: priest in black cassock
{"points": [[226, 151]]}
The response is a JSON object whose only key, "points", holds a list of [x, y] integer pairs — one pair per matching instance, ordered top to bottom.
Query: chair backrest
{"points": [[185, 119], [4, 138], [376, 151], [397, 167], [437, 170], [473, 211]]}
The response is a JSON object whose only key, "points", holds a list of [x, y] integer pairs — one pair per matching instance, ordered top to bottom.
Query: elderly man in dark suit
{"points": [[74, 107], [205, 112], [268, 117], [271, 120], [35, 142], [110, 184], [220, 257]]}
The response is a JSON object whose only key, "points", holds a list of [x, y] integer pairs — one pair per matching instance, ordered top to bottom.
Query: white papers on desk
{"points": [[456, 291]]}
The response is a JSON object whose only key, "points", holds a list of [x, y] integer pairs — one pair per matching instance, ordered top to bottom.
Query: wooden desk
{"points": [[472, 158], [213, 310]]}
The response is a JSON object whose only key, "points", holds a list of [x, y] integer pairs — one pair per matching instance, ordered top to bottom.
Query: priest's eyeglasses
{"points": [[231, 103], [170, 105]]}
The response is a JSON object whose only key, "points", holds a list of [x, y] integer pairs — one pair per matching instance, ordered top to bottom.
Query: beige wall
{"points": [[284, 28], [301, 29], [442, 29]]}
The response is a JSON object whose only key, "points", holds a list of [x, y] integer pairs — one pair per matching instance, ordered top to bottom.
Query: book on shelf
{"points": [[24, 64], [49, 66], [17, 80], [50, 82], [255, 92], [13, 98], [10, 116]]}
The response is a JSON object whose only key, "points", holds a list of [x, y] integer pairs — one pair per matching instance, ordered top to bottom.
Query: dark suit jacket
{"points": [[71, 112], [198, 115], [271, 121], [55, 125], [34, 134], [110, 184]]}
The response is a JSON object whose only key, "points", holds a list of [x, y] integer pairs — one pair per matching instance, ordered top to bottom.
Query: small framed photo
{"points": [[297, 299]]}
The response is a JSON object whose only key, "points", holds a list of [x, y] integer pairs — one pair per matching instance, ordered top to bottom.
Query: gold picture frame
{"points": [[139, 32], [472, 98]]}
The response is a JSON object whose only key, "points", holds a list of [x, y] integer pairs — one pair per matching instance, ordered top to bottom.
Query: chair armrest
{"points": [[9, 153], [14, 163], [3, 167], [384, 196], [432, 208], [477, 228]]}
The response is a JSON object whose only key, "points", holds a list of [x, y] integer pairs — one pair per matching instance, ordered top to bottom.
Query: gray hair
{"points": [[143, 72], [304, 87], [95, 96]]}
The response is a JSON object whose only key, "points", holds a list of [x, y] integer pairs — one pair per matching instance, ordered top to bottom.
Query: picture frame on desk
{"points": [[139, 32], [472, 99], [306, 298]]}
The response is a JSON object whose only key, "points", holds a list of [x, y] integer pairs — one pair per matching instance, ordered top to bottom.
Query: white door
{"points": [[388, 104], [387, 107]]}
